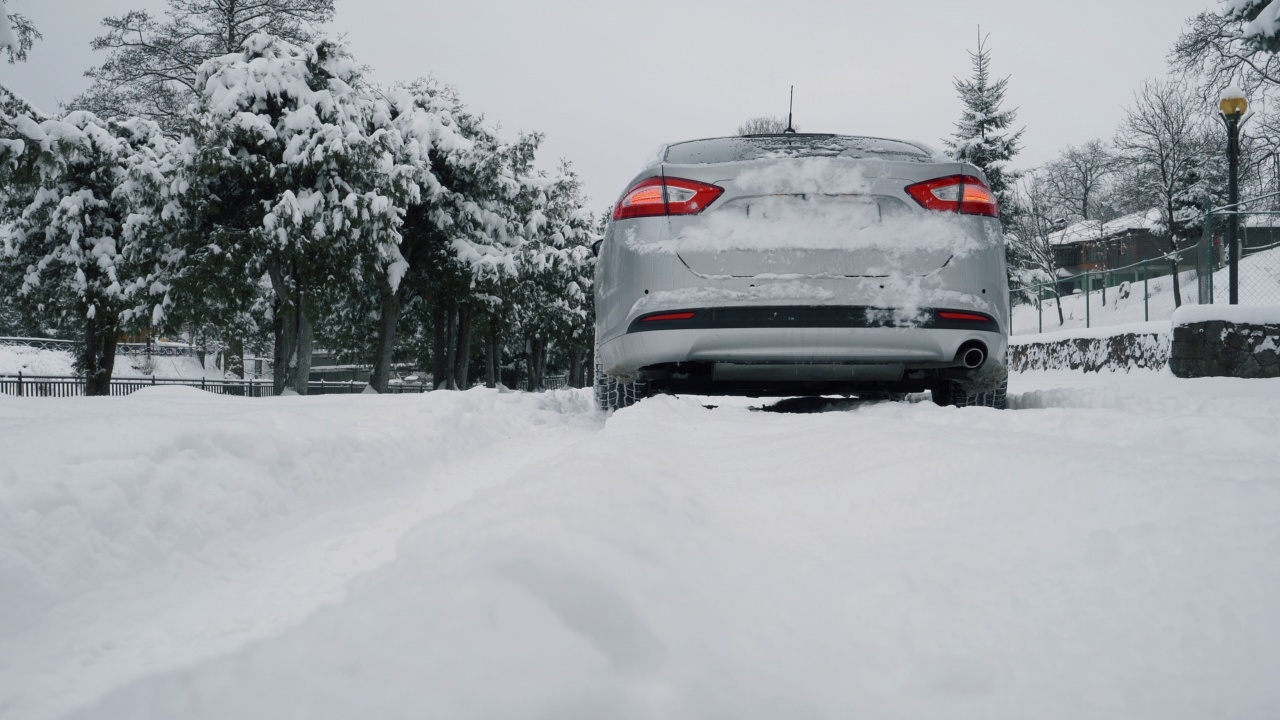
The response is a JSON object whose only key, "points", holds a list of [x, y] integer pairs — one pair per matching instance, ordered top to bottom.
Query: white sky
{"points": [[609, 81]]}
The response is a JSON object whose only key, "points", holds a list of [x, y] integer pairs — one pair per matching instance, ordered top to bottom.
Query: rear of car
{"points": [[803, 264]]}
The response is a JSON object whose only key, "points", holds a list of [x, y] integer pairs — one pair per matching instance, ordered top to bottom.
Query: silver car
{"points": [[803, 264]]}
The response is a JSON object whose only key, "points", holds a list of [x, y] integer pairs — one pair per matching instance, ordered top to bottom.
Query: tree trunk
{"points": [[1173, 258], [1173, 263], [1058, 301], [388, 317], [293, 333], [439, 340], [451, 346], [98, 356], [490, 356], [234, 363], [575, 363], [535, 366], [591, 366], [462, 370]]}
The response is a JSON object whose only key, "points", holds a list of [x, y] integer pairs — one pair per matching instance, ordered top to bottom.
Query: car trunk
{"points": [[795, 218]]}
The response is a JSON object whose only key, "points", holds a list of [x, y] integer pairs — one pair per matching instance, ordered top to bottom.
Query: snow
{"points": [[8, 39], [1233, 93], [1087, 230], [1259, 285], [1244, 314], [1155, 327], [32, 361], [1108, 549]]}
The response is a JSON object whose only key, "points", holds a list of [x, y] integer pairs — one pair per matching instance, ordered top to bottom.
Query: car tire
{"points": [[952, 393], [613, 394]]}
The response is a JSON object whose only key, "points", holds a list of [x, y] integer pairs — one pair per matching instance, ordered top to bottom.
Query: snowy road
{"points": [[1111, 548]]}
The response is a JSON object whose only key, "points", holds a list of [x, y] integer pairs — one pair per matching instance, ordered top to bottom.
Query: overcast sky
{"points": [[609, 81]]}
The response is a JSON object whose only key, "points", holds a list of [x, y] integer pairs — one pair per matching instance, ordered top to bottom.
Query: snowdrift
{"points": [[1109, 550]]}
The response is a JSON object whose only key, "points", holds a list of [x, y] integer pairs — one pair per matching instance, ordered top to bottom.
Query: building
{"points": [[1097, 253]]}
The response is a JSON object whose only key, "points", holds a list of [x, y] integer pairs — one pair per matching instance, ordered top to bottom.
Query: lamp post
{"points": [[1233, 106]]}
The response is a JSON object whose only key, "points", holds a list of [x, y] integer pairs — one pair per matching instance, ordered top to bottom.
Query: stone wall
{"points": [[1217, 348], [1091, 354]]}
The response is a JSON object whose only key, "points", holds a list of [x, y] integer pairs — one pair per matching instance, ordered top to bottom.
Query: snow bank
{"points": [[1240, 314], [27, 360], [98, 496], [1113, 555]]}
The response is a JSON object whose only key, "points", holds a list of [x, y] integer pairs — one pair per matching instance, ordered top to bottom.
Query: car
{"points": [[803, 264]]}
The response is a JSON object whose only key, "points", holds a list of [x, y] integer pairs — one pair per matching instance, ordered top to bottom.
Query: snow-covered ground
{"points": [[1259, 285], [27, 360], [1109, 548]]}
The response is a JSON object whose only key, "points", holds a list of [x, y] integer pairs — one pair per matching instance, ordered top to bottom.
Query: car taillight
{"points": [[958, 193], [666, 196], [964, 316], [667, 317]]}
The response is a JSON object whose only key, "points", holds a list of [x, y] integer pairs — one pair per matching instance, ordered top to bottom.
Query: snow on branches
{"points": [[298, 171], [83, 200]]}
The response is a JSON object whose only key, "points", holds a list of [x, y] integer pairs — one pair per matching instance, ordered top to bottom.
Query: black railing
{"points": [[22, 385], [70, 386]]}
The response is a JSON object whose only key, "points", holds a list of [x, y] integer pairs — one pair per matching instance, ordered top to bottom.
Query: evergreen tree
{"points": [[152, 64], [983, 136], [293, 173], [82, 227], [552, 295]]}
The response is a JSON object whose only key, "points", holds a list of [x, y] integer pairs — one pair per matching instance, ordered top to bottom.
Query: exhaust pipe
{"points": [[973, 356]]}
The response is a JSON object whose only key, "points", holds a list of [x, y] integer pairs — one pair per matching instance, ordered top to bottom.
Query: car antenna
{"points": [[791, 106]]}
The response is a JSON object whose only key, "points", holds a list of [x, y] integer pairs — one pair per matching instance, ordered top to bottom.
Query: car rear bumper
{"points": [[787, 349]]}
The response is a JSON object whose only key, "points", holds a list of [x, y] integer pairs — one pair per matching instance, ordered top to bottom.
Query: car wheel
{"points": [[950, 392], [614, 395]]}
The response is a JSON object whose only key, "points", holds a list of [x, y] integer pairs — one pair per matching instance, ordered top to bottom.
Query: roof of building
{"points": [[1091, 230]]}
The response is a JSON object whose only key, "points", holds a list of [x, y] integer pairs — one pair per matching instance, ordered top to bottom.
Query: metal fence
{"points": [[1258, 267], [1143, 291], [1138, 292], [22, 385], [70, 386]]}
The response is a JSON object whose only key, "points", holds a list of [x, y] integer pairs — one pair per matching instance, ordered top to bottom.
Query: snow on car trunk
{"points": [[815, 217], [1110, 550]]}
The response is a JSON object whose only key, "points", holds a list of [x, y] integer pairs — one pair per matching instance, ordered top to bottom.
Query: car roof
{"points": [[738, 148]]}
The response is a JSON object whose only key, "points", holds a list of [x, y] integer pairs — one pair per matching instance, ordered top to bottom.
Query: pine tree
{"points": [[983, 136], [294, 174], [84, 200]]}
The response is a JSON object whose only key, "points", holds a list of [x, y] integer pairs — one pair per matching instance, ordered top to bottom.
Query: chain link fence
{"points": [[1259, 261], [1145, 290], [1134, 293]]}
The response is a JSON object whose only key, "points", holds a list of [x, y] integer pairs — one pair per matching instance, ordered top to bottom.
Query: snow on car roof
{"points": [[795, 145]]}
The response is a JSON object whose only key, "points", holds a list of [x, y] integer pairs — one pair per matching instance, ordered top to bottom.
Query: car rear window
{"points": [[735, 149]]}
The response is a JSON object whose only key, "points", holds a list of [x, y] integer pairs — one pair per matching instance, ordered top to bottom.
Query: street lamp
{"points": [[1233, 106]]}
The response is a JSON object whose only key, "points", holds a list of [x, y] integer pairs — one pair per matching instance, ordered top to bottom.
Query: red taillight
{"points": [[945, 195], [666, 196], [669, 316], [971, 317]]}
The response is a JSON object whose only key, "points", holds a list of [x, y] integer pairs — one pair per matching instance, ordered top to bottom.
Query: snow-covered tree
{"points": [[17, 35], [1233, 43], [152, 63], [764, 125], [984, 135], [1162, 142], [294, 173], [84, 206], [1031, 235], [552, 295]]}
